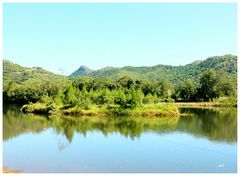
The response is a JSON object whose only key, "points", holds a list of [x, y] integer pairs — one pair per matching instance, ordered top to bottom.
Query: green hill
{"points": [[83, 70], [19, 74], [175, 74], [202, 81], [23, 84]]}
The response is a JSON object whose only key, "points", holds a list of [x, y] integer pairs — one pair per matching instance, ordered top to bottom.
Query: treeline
{"points": [[174, 74], [125, 92]]}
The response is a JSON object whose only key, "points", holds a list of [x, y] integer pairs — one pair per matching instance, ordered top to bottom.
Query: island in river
{"points": [[127, 91], [124, 126]]}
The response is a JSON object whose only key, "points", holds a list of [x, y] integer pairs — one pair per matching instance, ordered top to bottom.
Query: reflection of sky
{"points": [[151, 152]]}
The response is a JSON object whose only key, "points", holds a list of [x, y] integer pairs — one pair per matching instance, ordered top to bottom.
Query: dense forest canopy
{"points": [[174, 74], [126, 87]]}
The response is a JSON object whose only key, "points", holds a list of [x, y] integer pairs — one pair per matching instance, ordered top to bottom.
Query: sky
{"points": [[60, 37]]}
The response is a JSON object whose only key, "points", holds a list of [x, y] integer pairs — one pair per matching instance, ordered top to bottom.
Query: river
{"points": [[201, 140]]}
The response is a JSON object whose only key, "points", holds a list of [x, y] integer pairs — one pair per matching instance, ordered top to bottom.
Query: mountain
{"points": [[226, 64], [83, 70], [19, 74], [174, 74]]}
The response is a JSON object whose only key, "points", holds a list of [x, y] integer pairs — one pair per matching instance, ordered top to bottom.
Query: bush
{"points": [[148, 99], [170, 100], [85, 104]]}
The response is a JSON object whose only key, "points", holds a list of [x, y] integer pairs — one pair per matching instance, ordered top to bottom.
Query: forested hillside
{"points": [[19, 74], [174, 74], [23, 84], [124, 88]]}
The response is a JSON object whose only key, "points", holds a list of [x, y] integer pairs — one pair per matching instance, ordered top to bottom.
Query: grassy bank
{"points": [[217, 102], [203, 104], [159, 110]]}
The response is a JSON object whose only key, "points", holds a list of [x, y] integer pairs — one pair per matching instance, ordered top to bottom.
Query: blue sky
{"points": [[68, 35]]}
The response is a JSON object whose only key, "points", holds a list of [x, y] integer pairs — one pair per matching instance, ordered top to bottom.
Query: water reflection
{"points": [[214, 124], [218, 124]]}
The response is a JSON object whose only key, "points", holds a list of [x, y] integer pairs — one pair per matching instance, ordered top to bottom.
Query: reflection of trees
{"points": [[16, 123], [215, 124], [127, 126], [62, 140]]}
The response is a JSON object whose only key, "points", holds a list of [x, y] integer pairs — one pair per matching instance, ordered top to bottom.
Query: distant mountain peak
{"points": [[83, 67], [81, 71], [175, 74]]}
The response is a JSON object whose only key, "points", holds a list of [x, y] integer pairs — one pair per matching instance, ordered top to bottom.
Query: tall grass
{"points": [[159, 110]]}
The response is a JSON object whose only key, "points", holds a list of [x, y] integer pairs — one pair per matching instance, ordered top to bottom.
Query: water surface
{"points": [[204, 141]]}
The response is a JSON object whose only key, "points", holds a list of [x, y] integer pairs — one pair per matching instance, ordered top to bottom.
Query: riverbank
{"points": [[217, 102], [204, 104], [157, 110]]}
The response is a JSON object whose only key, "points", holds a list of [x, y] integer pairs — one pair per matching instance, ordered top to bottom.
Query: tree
{"points": [[125, 81], [208, 85], [227, 86], [165, 88], [187, 91], [68, 95], [140, 96], [105, 97], [132, 98], [120, 99], [148, 99]]}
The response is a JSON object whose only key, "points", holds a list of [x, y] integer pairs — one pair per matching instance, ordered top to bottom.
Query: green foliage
{"points": [[19, 74], [173, 74], [35, 85], [208, 85], [227, 86], [166, 88], [187, 91], [68, 96], [139, 96], [105, 97], [120, 99], [148, 99], [133, 100], [170, 100], [227, 101], [85, 104], [39, 108], [222, 126]]}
